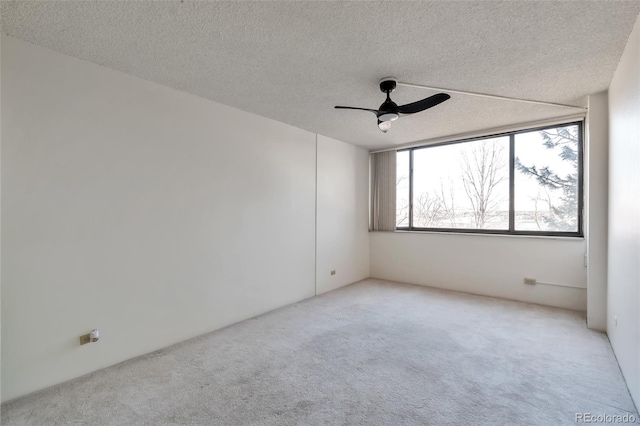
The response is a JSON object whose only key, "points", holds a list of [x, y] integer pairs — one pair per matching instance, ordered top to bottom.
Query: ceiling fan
{"points": [[389, 111]]}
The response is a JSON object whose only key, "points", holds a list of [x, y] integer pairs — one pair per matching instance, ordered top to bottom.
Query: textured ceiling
{"points": [[293, 61]]}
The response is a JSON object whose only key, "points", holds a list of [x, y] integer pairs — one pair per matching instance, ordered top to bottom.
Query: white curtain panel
{"points": [[383, 191]]}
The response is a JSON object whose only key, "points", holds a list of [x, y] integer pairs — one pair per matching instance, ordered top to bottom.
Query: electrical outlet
{"points": [[333, 272], [530, 281]]}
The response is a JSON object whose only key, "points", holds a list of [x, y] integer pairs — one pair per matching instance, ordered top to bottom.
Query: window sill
{"points": [[479, 234]]}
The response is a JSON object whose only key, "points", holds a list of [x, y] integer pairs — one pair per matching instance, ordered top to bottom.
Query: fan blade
{"points": [[423, 104], [361, 109]]}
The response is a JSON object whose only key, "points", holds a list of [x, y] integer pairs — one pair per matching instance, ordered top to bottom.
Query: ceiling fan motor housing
{"points": [[388, 84], [388, 111]]}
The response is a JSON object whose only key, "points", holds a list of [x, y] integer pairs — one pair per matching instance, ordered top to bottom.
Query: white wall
{"points": [[596, 198], [146, 212], [624, 214], [0, 220], [342, 229], [490, 265]]}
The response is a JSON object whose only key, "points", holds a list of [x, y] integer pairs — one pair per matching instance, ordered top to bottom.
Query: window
{"points": [[527, 182], [402, 189]]}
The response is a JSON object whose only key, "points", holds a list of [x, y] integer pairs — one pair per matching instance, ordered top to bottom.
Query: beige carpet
{"points": [[373, 353]]}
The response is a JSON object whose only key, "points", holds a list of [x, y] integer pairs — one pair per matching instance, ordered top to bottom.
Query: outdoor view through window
{"points": [[468, 185]]}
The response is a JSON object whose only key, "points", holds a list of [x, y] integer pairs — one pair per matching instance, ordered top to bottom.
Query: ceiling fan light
{"points": [[388, 116], [384, 125]]}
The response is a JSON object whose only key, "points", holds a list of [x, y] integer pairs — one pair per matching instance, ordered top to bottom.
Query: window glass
{"points": [[546, 180], [462, 185], [467, 185], [402, 189]]}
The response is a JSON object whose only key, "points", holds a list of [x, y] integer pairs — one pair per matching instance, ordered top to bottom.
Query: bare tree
{"points": [[482, 171], [448, 203], [427, 209], [402, 210], [402, 214], [539, 216]]}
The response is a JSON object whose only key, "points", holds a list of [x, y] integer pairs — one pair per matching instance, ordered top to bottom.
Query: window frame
{"points": [[511, 231]]}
